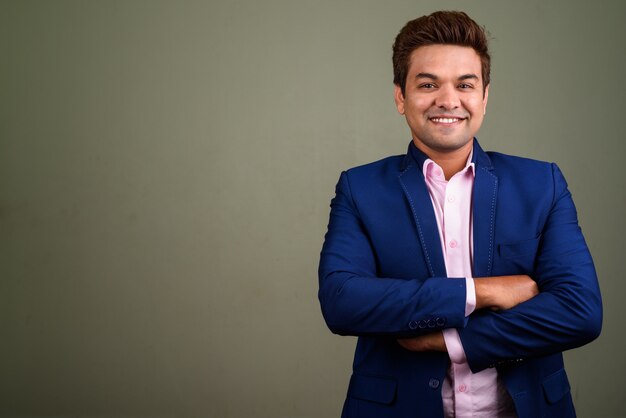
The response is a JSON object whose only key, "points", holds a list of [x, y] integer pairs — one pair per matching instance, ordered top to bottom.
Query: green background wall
{"points": [[165, 175]]}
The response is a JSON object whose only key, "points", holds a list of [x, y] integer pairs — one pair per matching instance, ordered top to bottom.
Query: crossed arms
{"points": [[495, 293], [559, 308]]}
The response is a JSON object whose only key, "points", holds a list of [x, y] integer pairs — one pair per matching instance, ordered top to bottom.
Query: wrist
{"points": [[484, 294], [437, 342]]}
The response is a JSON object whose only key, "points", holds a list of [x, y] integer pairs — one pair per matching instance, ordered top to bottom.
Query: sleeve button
{"points": [[433, 383]]}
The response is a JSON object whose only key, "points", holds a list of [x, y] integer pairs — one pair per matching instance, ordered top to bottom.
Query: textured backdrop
{"points": [[165, 174]]}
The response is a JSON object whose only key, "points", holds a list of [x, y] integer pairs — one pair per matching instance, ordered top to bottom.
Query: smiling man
{"points": [[464, 273]]}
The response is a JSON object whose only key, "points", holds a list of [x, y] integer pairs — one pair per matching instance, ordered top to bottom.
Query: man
{"points": [[463, 273]]}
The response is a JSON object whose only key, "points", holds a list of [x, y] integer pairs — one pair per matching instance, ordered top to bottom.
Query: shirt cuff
{"points": [[470, 296], [454, 345]]}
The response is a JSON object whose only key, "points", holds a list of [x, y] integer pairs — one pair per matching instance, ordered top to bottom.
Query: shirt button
{"points": [[450, 199], [453, 243], [462, 388]]}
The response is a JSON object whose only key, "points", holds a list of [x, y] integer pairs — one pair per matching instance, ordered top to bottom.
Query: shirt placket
{"points": [[456, 242]]}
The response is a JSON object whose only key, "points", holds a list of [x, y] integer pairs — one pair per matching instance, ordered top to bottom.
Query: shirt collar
{"points": [[433, 171]]}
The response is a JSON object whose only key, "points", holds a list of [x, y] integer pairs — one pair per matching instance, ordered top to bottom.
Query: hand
{"points": [[504, 292], [427, 342]]}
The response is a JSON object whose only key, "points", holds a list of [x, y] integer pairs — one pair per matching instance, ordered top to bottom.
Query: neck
{"points": [[450, 161]]}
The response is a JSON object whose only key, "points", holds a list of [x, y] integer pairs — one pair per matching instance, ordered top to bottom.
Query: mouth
{"points": [[446, 120]]}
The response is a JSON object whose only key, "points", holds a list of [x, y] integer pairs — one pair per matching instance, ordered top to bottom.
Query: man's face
{"points": [[443, 102]]}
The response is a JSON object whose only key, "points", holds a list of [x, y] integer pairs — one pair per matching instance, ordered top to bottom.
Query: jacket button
{"points": [[440, 322], [431, 323], [413, 324], [421, 324], [433, 383]]}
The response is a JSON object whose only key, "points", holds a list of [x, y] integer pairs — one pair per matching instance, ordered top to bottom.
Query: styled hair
{"points": [[445, 28]]}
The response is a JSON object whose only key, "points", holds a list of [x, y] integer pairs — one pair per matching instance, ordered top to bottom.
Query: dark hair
{"points": [[444, 27]]}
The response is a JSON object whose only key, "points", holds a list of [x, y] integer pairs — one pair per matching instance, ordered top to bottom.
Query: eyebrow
{"points": [[426, 75], [434, 77], [468, 77]]}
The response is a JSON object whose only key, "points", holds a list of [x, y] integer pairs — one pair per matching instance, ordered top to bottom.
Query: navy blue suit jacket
{"points": [[382, 276]]}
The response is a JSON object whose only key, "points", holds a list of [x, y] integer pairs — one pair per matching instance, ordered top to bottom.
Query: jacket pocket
{"points": [[519, 248], [518, 257], [555, 386], [372, 388]]}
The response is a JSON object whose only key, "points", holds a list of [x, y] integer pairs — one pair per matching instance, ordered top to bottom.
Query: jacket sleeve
{"points": [[355, 301], [567, 313]]}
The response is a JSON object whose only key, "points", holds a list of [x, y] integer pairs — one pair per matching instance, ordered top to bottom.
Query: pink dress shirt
{"points": [[464, 394]]}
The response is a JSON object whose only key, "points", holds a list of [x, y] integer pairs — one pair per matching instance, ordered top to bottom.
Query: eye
{"points": [[427, 86], [465, 86]]}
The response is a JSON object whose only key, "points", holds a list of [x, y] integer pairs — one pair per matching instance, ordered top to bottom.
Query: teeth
{"points": [[445, 120]]}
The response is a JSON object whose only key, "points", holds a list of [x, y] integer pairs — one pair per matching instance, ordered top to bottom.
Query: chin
{"points": [[447, 146]]}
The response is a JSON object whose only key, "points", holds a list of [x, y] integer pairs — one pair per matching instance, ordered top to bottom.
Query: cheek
{"points": [[477, 106], [416, 107]]}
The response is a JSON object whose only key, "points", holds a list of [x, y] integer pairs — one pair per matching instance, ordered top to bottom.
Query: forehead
{"points": [[445, 60]]}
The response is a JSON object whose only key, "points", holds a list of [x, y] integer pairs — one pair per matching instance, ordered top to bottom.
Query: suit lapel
{"points": [[415, 190], [484, 196], [484, 212]]}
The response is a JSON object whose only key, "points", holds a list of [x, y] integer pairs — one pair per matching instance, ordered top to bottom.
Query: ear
{"points": [[399, 98], [485, 98]]}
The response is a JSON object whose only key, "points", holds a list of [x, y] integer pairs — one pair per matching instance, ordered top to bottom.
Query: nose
{"points": [[447, 98]]}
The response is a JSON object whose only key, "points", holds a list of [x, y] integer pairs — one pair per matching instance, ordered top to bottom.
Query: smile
{"points": [[446, 120]]}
